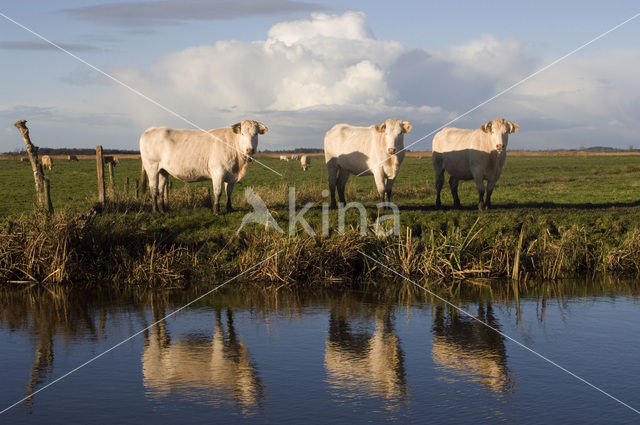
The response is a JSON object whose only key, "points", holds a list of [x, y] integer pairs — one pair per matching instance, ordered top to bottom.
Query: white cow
{"points": [[377, 150], [471, 154], [193, 155], [284, 158], [46, 161], [305, 161]]}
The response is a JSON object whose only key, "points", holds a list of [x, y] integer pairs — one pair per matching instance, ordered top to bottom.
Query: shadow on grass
{"points": [[586, 206]]}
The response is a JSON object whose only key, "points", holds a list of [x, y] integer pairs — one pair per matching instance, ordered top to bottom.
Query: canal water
{"points": [[384, 353]]}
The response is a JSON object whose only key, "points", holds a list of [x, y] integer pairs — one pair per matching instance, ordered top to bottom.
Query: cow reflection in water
{"points": [[467, 349], [364, 361], [214, 370]]}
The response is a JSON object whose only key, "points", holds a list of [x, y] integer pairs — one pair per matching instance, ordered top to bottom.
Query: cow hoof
{"points": [[482, 207], [230, 209]]}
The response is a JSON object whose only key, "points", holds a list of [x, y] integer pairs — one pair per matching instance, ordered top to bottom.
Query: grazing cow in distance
{"points": [[377, 150], [220, 155], [477, 155], [72, 158], [284, 158], [24, 159], [111, 159], [305, 161], [47, 162]]}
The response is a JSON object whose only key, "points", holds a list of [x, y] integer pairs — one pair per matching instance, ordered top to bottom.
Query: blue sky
{"points": [[301, 67]]}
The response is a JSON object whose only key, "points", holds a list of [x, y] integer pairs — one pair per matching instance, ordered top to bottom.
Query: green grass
{"points": [[560, 182], [576, 214]]}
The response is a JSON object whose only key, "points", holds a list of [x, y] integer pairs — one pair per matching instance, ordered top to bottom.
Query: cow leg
{"points": [[332, 169], [439, 170], [152, 174], [343, 176], [378, 177], [217, 184], [453, 184], [388, 185], [490, 186], [228, 187], [480, 187], [163, 190]]}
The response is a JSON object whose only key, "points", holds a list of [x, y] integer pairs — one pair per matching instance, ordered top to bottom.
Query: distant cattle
{"points": [[377, 150], [195, 155], [477, 155], [295, 157], [72, 158], [284, 158], [24, 159], [110, 159], [305, 161], [47, 162]]}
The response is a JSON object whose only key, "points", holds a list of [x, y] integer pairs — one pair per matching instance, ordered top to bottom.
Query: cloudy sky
{"points": [[301, 67]]}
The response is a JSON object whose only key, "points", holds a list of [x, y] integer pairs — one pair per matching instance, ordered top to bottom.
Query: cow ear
{"points": [[406, 126], [237, 127], [486, 127], [514, 127], [262, 128], [380, 128]]}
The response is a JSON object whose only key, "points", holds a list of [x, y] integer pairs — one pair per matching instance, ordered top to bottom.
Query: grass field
{"points": [[545, 182], [573, 214]]}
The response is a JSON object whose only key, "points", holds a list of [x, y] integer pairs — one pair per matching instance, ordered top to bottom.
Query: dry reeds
{"points": [[121, 248]]}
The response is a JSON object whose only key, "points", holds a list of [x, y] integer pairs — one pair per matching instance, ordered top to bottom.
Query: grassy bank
{"points": [[554, 217]]}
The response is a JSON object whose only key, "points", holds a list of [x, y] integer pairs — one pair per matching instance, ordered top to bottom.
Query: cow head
{"points": [[248, 130], [499, 130], [393, 131]]}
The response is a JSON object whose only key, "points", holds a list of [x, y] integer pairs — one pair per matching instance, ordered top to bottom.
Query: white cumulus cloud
{"points": [[308, 74]]}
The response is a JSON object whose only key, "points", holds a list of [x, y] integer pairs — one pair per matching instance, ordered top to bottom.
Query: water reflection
{"points": [[46, 314], [465, 349], [363, 355], [213, 369]]}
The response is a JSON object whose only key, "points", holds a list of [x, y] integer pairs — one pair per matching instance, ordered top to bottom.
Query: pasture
{"points": [[550, 183], [573, 214]]}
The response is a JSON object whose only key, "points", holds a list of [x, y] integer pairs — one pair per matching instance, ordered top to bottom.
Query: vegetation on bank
{"points": [[554, 217]]}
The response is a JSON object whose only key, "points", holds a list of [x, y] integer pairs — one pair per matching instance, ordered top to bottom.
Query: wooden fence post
{"points": [[100, 167], [41, 182], [112, 186]]}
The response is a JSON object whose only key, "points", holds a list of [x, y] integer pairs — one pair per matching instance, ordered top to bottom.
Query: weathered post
{"points": [[100, 170], [111, 178], [41, 182], [126, 185]]}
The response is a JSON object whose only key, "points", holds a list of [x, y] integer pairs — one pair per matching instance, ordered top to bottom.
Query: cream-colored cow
{"points": [[377, 150], [220, 155], [477, 155], [305, 160], [46, 161]]}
